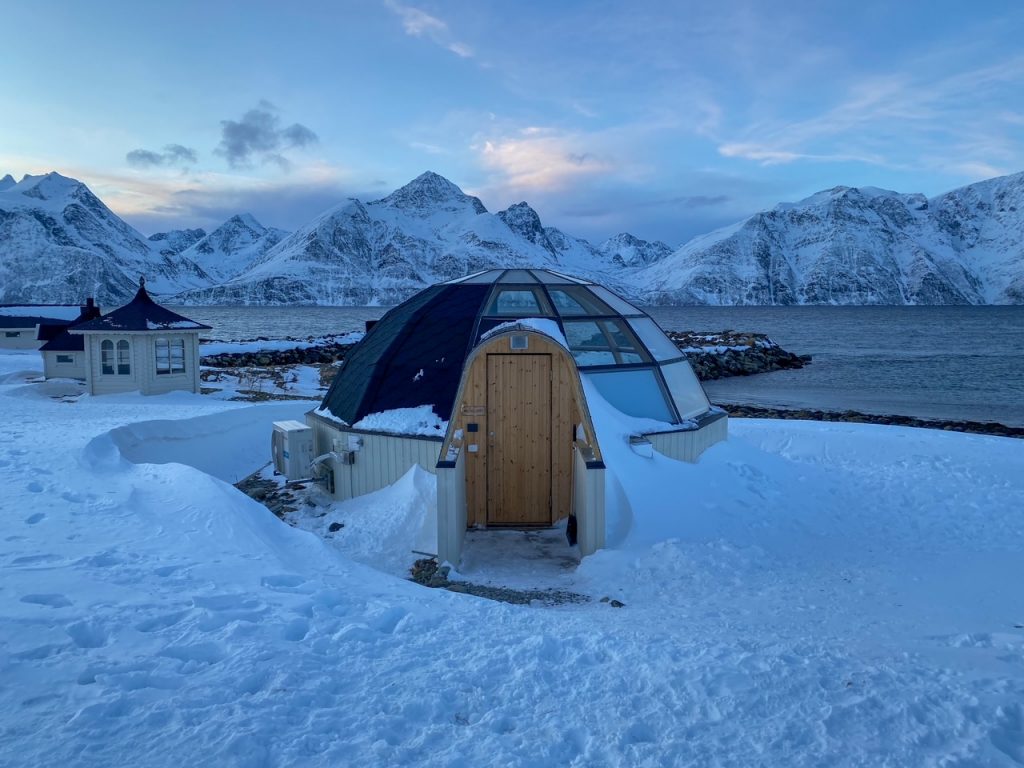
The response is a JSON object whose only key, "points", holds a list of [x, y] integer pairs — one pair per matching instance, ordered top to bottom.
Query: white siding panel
{"points": [[26, 338], [54, 370], [690, 444], [381, 460], [588, 503], [451, 511]]}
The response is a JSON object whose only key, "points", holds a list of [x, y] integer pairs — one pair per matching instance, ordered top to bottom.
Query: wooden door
{"points": [[519, 440]]}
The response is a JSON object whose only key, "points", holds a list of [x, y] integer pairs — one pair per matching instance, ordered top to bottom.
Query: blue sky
{"points": [[665, 119]]}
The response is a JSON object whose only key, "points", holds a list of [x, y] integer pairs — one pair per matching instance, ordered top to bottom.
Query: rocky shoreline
{"points": [[730, 353], [712, 355], [948, 425]]}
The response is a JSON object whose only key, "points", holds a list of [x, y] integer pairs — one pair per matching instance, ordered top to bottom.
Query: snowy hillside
{"points": [[60, 244], [233, 246], [858, 246], [383, 251], [806, 595]]}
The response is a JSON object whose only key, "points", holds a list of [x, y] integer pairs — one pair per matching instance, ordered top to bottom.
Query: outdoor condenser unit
{"points": [[292, 448]]}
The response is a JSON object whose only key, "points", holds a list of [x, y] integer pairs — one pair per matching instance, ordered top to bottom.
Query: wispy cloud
{"points": [[419, 23], [897, 120], [258, 136], [173, 155]]}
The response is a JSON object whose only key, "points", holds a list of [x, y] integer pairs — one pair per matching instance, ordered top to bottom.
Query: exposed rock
{"points": [[978, 427]]}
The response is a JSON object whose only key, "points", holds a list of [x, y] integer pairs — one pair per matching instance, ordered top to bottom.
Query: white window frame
{"points": [[169, 356], [107, 358], [124, 358], [67, 359]]}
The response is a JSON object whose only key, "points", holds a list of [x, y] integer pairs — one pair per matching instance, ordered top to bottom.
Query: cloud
{"points": [[419, 23], [913, 119], [258, 136], [173, 155], [539, 158]]}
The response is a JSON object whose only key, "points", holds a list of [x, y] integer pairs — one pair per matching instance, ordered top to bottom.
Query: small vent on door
{"points": [[520, 342]]}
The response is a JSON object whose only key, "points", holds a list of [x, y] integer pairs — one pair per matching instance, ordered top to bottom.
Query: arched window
{"points": [[170, 356], [107, 357], [124, 362]]}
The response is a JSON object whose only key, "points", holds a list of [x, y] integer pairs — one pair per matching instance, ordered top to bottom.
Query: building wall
{"points": [[25, 338], [54, 369], [143, 377], [568, 409], [690, 444], [379, 461], [588, 500], [451, 509]]}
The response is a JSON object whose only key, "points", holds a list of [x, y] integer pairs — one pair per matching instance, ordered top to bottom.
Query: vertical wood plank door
{"points": [[519, 440]]}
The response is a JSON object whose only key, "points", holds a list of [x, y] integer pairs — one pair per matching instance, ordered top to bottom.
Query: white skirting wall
{"points": [[19, 338], [55, 369], [688, 445], [377, 461], [588, 500], [451, 509]]}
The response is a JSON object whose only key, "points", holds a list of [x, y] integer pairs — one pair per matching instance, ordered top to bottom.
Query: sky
{"points": [[663, 119]]}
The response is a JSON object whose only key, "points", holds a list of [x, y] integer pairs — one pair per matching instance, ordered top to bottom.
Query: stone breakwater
{"points": [[729, 353], [320, 354], [712, 355], [978, 427]]}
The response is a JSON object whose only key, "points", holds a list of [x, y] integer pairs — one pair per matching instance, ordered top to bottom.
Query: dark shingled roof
{"points": [[141, 314], [56, 335], [64, 342], [412, 356]]}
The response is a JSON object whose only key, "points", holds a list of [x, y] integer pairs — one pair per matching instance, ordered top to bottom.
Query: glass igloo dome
{"points": [[618, 347], [415, 354]]}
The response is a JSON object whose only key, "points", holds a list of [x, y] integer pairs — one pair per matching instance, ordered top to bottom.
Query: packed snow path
{"points": [[807, 595]]}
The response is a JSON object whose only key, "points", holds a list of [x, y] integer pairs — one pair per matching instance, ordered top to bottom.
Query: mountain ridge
{"points": [[844, 245]]}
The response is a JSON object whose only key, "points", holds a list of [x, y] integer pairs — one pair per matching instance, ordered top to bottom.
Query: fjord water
{"points": [[929, 362]]}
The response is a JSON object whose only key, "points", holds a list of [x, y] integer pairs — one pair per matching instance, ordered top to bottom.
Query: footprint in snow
{"points": [[34, 487], [33, 519], [51, 600]]}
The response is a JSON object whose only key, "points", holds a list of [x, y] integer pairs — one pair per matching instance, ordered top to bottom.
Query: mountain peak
{"points": [[7, 182], [50, 186], [428, 192], [245, 220], [629, 250]]}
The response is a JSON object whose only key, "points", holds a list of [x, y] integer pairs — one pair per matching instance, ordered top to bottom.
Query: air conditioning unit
{"points": [[292, 449]]}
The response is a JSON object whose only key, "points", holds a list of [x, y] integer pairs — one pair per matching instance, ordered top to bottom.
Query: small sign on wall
{"points": [[473, 410]]}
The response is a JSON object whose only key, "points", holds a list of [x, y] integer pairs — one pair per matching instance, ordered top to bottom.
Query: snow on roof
{"points": [[36, 312], [539, 324], [420, 420]]}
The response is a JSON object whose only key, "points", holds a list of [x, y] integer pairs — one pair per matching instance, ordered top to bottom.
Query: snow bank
{"points": [[228, 445], [807, 595]]}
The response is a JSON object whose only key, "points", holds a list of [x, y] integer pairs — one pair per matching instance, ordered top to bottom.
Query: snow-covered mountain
{"points": [[177, 240], [60, 244], [233, 246], [858, 246], [383, 251], [630, 251]]}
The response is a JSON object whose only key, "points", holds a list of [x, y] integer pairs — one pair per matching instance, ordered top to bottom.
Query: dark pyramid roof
{"points": [[141, 314], [57, 337], [64, 342], [412, 356]]}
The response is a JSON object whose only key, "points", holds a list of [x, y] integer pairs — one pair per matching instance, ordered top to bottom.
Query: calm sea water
{"points": [[937, 362]]}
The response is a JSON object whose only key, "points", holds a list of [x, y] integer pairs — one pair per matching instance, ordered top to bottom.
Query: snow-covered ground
{"points": [[809, 594]]}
